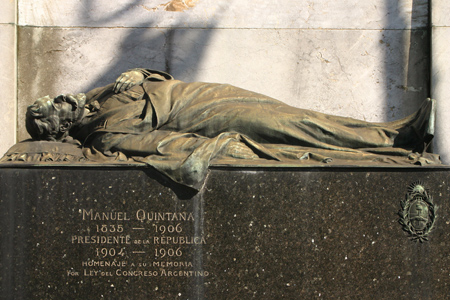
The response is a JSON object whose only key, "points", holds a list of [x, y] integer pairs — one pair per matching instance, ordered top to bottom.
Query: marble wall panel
{"points": [[8, 12], [440, 13], [370, 14], [367, 74], [7, 75], [440, 75], [7, 87], [440, 92]]}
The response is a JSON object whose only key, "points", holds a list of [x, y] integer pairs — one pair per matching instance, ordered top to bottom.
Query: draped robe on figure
{"points": [[179, 127]]}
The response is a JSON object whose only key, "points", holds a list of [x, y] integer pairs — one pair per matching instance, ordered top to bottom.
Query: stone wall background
{"points": [[364, 59], [440, 74], [8, 75]]}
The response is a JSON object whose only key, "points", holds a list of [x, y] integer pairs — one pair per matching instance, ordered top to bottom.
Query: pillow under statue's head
{"points": [[31, 151]]}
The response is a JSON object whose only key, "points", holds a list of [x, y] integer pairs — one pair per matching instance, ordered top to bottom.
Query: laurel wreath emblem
{"points": [[417, 193]]}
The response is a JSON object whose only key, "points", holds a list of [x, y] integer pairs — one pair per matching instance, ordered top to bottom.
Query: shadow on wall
{"points": [[177, 50], [406, 81]]}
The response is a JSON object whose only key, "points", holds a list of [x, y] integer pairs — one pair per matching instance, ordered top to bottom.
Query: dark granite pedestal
{"points": [[304, 233]]}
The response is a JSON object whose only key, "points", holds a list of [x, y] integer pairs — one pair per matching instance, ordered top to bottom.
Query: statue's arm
{"points": [[168, 143], [239, 150]]}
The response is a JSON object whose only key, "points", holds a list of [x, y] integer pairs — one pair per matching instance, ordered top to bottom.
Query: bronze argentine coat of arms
{"points": [[418, 214]]}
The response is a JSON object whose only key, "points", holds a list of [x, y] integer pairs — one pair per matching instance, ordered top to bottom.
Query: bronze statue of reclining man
{"points": [[179, 127]]}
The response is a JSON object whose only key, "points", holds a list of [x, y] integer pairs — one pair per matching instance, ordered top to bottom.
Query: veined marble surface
{"points": [[8, 12], [440, 13], [354, 14], [362, 59], [365, 74], [440, 81], [7, 87]]}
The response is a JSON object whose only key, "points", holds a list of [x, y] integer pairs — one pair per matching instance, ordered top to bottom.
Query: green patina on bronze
{"points": [[181, 128]]}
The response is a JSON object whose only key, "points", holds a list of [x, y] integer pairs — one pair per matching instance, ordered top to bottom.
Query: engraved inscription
{"points": [[95, 215], [142, 215], [135, 244]]}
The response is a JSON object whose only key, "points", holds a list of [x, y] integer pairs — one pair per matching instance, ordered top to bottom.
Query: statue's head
{"points": [[51, 119]]}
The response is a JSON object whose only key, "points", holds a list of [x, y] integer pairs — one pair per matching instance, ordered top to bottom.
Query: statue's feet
{"points": [[419, 132]]}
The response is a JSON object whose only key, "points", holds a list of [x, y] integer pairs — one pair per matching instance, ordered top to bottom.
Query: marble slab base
{"points": [[267, 233]]}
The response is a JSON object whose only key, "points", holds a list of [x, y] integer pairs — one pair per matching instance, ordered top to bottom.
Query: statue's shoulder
{"points": [[155, 75]]}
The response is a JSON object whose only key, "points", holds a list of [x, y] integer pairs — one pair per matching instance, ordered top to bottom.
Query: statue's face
{"points": [[58, 106], [65, 107], [51, 119]]}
